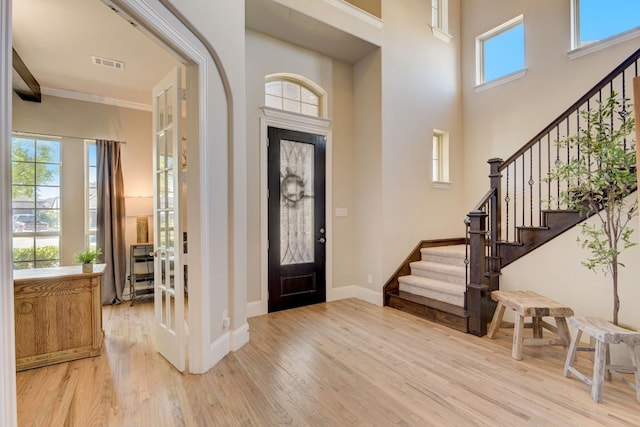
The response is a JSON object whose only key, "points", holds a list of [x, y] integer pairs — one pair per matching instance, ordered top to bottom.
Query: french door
{"points": [[296, 218], [169, 281]]}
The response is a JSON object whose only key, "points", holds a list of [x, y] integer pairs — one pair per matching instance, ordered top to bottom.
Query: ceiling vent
{"points": [[109, 63]]}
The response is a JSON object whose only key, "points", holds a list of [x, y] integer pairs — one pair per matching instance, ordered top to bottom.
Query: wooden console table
{"points": [[58, 315]]}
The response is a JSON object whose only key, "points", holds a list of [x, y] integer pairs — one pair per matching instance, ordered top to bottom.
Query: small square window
{"points": [[500, 51]]}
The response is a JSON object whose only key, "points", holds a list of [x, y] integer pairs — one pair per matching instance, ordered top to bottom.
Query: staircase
{"points": [[518, 214], [433, 284]]}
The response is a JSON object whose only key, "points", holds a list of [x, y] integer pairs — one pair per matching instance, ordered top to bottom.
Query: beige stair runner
{"points": [[439, 275]]}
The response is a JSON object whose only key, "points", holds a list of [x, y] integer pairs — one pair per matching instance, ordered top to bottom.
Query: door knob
{"points": [[322, 240]]}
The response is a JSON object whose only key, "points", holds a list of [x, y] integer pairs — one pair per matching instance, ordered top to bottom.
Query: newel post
{"points": [[495, 217], [477, 288]]}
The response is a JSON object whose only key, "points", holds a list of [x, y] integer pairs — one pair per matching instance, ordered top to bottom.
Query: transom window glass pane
{"points": [[273, 88], [291, 91], [292, 96]]}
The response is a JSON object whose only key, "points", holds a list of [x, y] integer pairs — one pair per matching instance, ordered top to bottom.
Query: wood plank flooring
{"points": [[345, 363]]}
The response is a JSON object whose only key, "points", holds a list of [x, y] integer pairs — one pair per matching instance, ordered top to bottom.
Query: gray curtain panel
{"points": [[111, 220]]}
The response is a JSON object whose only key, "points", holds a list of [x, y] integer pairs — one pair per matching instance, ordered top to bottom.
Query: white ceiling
{"points": [[271, 18], [56, 39]]}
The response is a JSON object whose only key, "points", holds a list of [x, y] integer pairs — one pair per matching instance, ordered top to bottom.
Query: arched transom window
{"points": [[288, 94]]}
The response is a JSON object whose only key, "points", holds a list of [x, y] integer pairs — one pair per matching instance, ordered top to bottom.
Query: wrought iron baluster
{"points": [[558, 164], [548, 170], [531, 182], [539, 182], [524, 191], [507, 199], [515, 200]]}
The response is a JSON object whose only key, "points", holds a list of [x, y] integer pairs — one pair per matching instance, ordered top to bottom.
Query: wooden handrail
{"points": [[597, 87]]}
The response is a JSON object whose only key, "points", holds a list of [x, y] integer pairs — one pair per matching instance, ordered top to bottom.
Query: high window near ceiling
{"points": [[440, 19], [594, 21], [500, 52], [293, 95], [35, 196]]}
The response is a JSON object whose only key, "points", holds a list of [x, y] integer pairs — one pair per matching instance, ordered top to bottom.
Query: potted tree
{"points": [[601, 177], [87, 258]]}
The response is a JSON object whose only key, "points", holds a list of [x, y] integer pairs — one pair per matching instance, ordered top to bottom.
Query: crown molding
{"points": [[86, 97]]}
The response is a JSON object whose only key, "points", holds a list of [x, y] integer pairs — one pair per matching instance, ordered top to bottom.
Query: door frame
{"points": [[271, 117], [213, 279]]}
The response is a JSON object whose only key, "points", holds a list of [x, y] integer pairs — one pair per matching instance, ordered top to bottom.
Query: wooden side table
{"points": [[531, 304]]}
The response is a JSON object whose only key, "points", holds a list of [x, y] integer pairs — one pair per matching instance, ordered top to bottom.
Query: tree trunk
{"points": [[616, 300]]}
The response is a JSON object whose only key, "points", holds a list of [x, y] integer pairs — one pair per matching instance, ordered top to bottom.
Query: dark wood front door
{"points": [[297, 234]]}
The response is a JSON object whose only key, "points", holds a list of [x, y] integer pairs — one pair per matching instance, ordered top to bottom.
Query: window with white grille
{"points": [[293, 96]]}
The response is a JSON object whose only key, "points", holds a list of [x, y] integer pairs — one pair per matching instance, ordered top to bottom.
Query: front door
{"points": [[167, 230], [297, 235]]}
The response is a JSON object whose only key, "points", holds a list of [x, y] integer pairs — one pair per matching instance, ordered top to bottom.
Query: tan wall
{"points": [[264, 56], [420, 93], [66, 117], [499, 120], [367, 179]]}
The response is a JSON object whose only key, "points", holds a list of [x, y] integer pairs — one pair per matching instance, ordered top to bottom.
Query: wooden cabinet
{"points": [[140, 270], [58, 315]]}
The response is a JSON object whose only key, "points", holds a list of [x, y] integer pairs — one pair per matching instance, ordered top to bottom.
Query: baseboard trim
{"points": [[358, 292], [373, 297], [256, 308], [239, 337], [217, 351]]}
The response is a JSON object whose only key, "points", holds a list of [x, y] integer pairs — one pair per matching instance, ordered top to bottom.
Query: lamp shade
{"points": [[139, 206]]}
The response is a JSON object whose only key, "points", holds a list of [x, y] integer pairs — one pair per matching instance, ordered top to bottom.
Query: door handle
{"points": [[322, 240]]}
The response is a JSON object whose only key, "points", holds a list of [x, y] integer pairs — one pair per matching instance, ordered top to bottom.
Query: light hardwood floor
{"points": [[336, 364]]}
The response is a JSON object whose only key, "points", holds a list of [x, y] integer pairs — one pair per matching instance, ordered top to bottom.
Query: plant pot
{"points": [[87, 268]]}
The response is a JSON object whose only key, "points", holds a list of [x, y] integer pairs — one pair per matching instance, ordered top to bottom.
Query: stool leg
{"points": [[496, 321], [537, 326], [563, 330], [516, 352], [571, 355], [635, 360], [599, 366]]}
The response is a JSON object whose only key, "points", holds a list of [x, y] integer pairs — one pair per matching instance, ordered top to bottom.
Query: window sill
{"points": [[441, 34], [604, 43], [500, 81], [442, 185]]}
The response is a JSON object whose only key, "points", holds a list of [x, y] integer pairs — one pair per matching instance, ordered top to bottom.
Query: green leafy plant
{"points": [[601, 175], [88, 256]]}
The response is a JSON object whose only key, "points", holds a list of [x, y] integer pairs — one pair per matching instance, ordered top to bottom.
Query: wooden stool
{"points": [[530, 304], [604, 333]]}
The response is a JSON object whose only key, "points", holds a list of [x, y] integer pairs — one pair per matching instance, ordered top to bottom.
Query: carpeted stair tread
{"points": [[445, 254], [435, 270], [432, 288]]}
